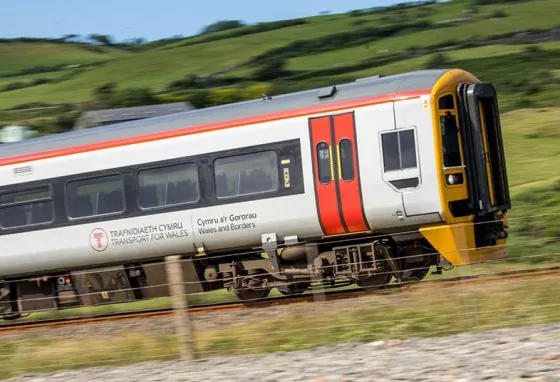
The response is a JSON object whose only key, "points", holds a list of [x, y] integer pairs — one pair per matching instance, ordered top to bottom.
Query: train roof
{"points": [[369, 87]]}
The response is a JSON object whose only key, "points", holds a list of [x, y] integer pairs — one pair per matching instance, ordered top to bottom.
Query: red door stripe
{"points": [[350, 191], [327, 201]]}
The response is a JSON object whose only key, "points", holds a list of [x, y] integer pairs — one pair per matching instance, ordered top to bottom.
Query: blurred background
{"points": [[67, 66]]}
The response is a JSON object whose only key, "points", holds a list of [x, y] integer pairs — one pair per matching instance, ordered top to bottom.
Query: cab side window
{"points": [[399, 150]]}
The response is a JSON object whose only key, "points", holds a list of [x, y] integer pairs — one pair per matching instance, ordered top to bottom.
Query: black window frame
{"points": [[443, 102], [288, 150], [400, 151], [452, 158], [329, 160], [352, 160], [167, 165], [100, 176], [249, 194], [30, 202]]}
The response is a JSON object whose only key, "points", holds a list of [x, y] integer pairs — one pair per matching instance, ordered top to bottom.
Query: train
{"points": [[359, 183]]}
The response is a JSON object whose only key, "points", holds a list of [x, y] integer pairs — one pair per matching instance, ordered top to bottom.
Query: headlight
{"points": [[453, 179]]}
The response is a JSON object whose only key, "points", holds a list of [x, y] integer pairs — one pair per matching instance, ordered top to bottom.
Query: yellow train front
{"points": [[472, 171]]}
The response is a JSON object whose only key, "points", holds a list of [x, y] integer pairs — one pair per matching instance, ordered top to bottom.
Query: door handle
{"points": [[332, 162], [338, 162]]}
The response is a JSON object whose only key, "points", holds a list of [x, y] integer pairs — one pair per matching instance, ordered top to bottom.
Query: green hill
{"points": [[317, 50], [20, 57]]}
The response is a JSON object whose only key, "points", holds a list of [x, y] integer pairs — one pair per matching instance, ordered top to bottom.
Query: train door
{"points": [[407, 159], [335, 167]]}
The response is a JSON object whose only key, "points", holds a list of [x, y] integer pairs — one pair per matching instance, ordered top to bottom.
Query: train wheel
{"points": [[415, 276], [375, 281], [296, 288], [252, 294]]}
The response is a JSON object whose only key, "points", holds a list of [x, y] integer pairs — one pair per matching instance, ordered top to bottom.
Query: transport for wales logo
{"points": [[98, 240]]}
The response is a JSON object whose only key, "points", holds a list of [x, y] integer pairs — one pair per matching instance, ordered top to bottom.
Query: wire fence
{"points": [[516, 290]]}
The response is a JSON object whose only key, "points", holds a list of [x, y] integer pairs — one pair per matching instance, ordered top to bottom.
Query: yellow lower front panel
{"points": [[455, 242]]}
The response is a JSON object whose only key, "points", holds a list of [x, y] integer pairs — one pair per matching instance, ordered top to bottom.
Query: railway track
{"points": [[218, 308]]}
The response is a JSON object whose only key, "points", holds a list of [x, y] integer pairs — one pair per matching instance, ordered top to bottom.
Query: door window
{"points": [[346, 160], [324, 162]]}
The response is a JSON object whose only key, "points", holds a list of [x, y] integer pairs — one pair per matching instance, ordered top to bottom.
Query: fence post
{"points": [[174, 269]]}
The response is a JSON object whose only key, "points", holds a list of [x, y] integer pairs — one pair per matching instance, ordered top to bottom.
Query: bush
{"points": [[493, 2], [498, 15], [358, 22], [222, 26], [247, 30], [340, 40], [532, 49], [437, 60], [272, 69], [188, 82], [14, 86], [256, 91], [105, 94], [135, 97], [170, 98], [199, 98], [31, 105], [62, 123]]}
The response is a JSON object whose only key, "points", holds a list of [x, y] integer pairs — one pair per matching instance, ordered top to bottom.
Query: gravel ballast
{"points": [[523, 353]]}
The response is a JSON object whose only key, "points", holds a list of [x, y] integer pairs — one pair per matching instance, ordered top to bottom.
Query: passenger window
{"points": [[450, 138], [399, 150], [346, 159], [324, 163], [246, 174], [169, 185], [95, 196], [24, 208]]}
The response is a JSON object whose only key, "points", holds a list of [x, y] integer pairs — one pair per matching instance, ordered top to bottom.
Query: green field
{"points": [[341, 41], [19, 56]]}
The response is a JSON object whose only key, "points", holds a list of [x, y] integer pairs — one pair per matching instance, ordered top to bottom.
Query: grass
{"points": [[351, 55], [17, 56], [157, 67], [31, 77], [531, 146], [533, 159], [218, 296], [440, 312]]}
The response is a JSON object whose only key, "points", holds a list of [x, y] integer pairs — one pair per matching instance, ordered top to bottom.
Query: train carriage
{"points": [[360, 182]]}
